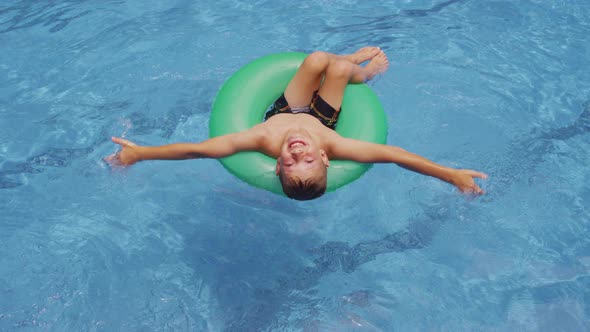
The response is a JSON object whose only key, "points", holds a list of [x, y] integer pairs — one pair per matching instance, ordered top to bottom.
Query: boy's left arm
{"points": [[217, 147], [365, 152]]}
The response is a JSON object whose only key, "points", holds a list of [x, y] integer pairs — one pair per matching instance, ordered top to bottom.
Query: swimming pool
{"points": [[499, 86]]}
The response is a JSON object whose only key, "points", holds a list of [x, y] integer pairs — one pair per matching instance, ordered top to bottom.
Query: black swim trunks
{"points": [[318, 108]]}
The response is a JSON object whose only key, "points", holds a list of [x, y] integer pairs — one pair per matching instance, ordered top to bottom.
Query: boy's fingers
{"points": [[117, 140], [122, 141], [112, 159], [476, 174], [482, 175], [474, 189], [478, 190]]}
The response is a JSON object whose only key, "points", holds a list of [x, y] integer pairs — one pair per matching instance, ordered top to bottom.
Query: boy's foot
{"points": [[363, 54], [378, 64]]}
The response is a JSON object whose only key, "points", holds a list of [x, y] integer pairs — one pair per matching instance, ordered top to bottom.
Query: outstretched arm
{"points": [[217, 147], [365, 152]]}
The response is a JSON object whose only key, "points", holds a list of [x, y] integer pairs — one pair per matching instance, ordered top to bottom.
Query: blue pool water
{"points": [[498, 86]]}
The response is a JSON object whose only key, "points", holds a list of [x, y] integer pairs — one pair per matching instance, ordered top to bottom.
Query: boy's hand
{"points": [[127, 156], [463, 180]]}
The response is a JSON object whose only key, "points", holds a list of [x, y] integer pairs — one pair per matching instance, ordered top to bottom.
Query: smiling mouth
{"points": [[296, 142]]}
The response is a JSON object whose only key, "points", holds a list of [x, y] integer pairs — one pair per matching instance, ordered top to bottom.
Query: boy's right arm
{"points": [[217, 147], [365, 152]]}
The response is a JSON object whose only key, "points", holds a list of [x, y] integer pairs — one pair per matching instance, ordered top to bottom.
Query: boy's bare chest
{"points": [[277, 127]]}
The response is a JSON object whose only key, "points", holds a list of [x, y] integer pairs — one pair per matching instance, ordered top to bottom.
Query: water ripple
{"points": [[26, 14]]}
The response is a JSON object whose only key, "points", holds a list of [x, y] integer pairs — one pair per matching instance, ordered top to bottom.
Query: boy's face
{"points": [[300, 156]]}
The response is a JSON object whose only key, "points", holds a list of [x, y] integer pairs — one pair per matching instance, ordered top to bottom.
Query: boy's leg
{"points": [[340, 72], [309, 76]]}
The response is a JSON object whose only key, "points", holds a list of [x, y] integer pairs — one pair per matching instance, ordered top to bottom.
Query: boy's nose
{"points": [[297, 153]]}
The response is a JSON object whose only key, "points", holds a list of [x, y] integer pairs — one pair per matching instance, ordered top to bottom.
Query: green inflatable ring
{"points": [[245, 96]]}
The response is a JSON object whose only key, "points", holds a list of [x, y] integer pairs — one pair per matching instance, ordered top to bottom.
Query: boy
{"points": [[298, 131]]}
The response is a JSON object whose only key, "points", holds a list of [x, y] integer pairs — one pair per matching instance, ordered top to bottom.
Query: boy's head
{"points": [[302, 168]]}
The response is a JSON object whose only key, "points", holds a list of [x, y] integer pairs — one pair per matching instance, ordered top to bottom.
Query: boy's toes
{"points": [[365, 54]]}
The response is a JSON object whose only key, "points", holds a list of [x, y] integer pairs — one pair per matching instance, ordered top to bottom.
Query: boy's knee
{"points": [[317, 61], [340, 69]]}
